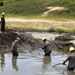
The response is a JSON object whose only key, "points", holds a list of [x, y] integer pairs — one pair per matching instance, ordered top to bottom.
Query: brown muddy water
{"points": [[34, 63]]}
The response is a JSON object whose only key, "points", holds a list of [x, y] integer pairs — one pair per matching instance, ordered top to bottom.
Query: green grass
{"points": [[38, 7], [34, 9]]}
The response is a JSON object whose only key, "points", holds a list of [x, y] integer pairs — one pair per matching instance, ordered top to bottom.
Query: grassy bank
{"points": [[39, 7], [58, 20], [40, 25]]}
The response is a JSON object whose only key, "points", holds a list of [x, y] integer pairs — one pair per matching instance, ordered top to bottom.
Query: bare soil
{"points": [[39, 24]]}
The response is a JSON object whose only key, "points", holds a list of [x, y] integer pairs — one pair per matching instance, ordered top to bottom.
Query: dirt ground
{"points": [[39, 24], [27, 41]]}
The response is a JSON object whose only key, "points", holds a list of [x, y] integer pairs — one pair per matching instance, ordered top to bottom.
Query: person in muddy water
{"points": [[3, 22], [14, 46], [47, 47], [71, 59]]}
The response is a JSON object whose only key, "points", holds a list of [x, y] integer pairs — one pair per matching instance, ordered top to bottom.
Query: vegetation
{"points": [[38, 7], [40, 25]]}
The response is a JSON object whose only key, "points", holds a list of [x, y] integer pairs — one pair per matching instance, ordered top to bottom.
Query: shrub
{"points": [[60, 30]]}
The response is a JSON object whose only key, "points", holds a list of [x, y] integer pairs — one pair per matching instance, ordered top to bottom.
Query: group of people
{"points": [[47, 47], [47, 50], [71, 59]]}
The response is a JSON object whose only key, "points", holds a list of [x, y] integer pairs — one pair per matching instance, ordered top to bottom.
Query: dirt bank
{"points": [[39, 24], [27, 40]]}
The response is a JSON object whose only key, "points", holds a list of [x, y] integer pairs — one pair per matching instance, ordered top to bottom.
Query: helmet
{"points": [[3, 13], [18, 38], [43, 38], [71, 49]]}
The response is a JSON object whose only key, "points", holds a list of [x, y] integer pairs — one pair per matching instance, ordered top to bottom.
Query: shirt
{"points": [[14, 45], [47, 47], [71, 59]]}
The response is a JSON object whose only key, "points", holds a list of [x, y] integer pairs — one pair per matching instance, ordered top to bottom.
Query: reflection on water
{"points": [[2, 61], [46, 62], [14, 63], [34, 63], [70, 72]]}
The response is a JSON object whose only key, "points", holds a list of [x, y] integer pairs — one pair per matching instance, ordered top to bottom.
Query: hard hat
{"points": [[3, 13], [18, 38], [43, 38], [71, 49]]}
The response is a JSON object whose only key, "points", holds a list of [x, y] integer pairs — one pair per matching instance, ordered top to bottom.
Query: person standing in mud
{"points": [[3, 22], [14, 46], [47, 47], [71, 59]]}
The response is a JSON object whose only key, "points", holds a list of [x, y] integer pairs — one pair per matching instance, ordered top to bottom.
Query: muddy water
{"points": [[34, 63]]}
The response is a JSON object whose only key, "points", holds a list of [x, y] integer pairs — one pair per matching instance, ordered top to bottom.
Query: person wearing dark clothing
{"points": [[3, 22], [14, 47], [47, 47], [71, 59]]}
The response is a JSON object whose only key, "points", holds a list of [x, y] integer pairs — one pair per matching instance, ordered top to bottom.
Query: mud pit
{"points": [[34, 62]]}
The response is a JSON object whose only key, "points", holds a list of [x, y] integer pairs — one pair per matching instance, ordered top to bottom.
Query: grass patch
{"points": [[38, 7], [34, 9], [40, 25]]}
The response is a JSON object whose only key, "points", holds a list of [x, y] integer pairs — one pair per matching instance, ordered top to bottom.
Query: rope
{"points": [[59, 64]]}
